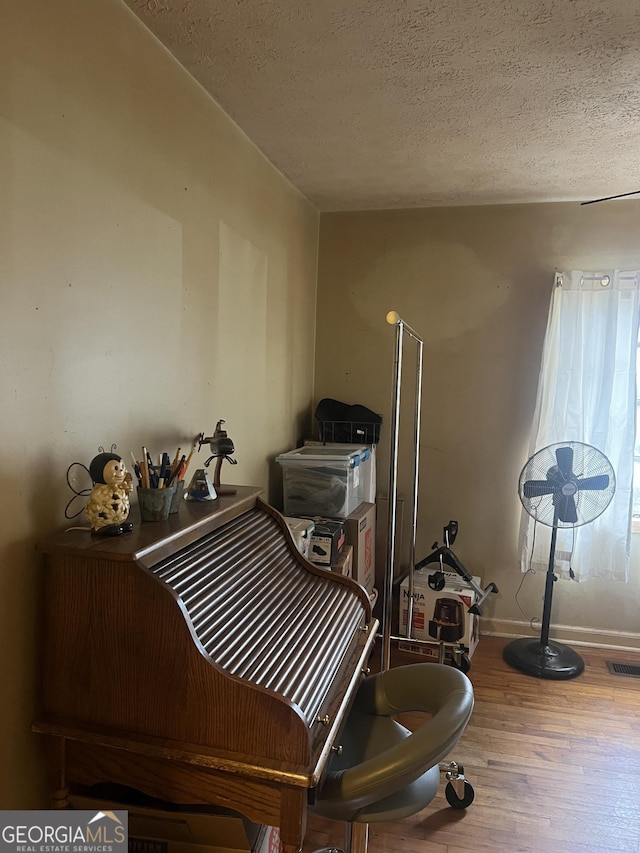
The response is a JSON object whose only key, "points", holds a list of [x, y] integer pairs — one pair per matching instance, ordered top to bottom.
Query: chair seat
{"points": [[386, 772], [412, 799]]}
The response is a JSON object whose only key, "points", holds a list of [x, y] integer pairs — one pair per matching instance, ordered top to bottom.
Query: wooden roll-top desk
{"points": [[199, 660]]}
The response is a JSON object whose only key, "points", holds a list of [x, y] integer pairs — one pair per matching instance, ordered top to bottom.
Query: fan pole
{"points": [[548, 587], [540, 657]]}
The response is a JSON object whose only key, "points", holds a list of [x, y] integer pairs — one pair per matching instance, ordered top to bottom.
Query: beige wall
{"points": [[156, 274], [475, 283]]}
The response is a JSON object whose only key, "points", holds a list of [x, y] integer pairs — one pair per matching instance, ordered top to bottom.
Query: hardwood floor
{"points": [[555, 766]]}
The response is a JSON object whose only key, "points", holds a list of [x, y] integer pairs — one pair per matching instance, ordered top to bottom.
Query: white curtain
{"points": [[587, 393]]}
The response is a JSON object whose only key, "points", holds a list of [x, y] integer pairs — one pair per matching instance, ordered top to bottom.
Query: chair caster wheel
{"points": [[464, 664], [454, 801]]}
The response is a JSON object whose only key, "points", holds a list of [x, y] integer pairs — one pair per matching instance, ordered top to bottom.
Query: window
{"points": [[587, 393]]}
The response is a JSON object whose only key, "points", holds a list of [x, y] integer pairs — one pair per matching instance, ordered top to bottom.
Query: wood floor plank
{"points": [[555, 766]]}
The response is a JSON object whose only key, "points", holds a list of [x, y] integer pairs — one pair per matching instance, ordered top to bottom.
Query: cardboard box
{"points": [[301, 530], [360, 531], [325, 543], [344, 564], [440, 615], [155, 830], [270, 842]]}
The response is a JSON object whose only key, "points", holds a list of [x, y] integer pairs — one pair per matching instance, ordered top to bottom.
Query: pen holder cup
{"points": [[178, 492], [155, 504]]}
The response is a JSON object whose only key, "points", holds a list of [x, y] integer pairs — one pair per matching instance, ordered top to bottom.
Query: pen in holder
{"points": [[155, 504]]}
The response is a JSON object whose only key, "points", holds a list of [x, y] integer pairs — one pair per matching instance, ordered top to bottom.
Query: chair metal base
{"points": [[356, 840]]}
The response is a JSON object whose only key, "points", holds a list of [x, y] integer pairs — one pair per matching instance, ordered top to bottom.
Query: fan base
{"points": [[554, 660]]}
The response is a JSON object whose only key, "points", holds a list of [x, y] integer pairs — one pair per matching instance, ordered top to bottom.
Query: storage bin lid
{"points": [[363, 451], [349, 457]]}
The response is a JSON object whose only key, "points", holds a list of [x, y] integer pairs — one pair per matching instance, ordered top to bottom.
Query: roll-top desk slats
{"points": [[261, 616], [200, 660]]}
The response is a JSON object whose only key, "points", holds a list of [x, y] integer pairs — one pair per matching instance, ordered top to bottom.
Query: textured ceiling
{"points": [[367, 104]]}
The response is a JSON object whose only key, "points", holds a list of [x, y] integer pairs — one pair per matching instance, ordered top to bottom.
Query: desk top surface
{"points": [[149, 541]]}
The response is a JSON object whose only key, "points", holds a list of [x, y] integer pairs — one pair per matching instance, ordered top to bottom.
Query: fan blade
{"points": [[564, 456], [555, 476], [600, 482], [537, 488], [566, 507]]}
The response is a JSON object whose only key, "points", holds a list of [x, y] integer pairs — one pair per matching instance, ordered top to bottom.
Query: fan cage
{"points": [[586, 462]]}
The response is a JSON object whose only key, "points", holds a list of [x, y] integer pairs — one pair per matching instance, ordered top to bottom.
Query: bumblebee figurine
{"points": [[108, 506]]}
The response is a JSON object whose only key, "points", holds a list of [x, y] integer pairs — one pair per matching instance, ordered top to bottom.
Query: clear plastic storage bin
{"points": [[367, 452], [323, 481]]}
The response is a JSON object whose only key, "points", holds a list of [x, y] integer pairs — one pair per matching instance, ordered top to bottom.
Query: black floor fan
{"points": [[563, 485]]}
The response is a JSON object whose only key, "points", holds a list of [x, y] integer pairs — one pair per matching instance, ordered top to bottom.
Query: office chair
{"points": [[381, 771]]}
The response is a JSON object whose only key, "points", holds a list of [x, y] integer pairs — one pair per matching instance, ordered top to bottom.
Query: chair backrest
{"points": [[441, 691]]}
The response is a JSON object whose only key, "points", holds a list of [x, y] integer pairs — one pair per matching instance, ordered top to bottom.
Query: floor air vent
{"points": [[628, 669]]}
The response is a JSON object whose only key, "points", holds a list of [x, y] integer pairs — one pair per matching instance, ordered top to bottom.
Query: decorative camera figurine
{"points": [[108, 506]]}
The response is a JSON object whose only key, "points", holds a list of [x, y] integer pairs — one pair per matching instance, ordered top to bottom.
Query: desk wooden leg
{"points": [[56, 769], [293, 819]]}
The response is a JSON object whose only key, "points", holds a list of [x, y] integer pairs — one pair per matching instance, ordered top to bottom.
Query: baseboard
{"points": [[596, 637]]}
